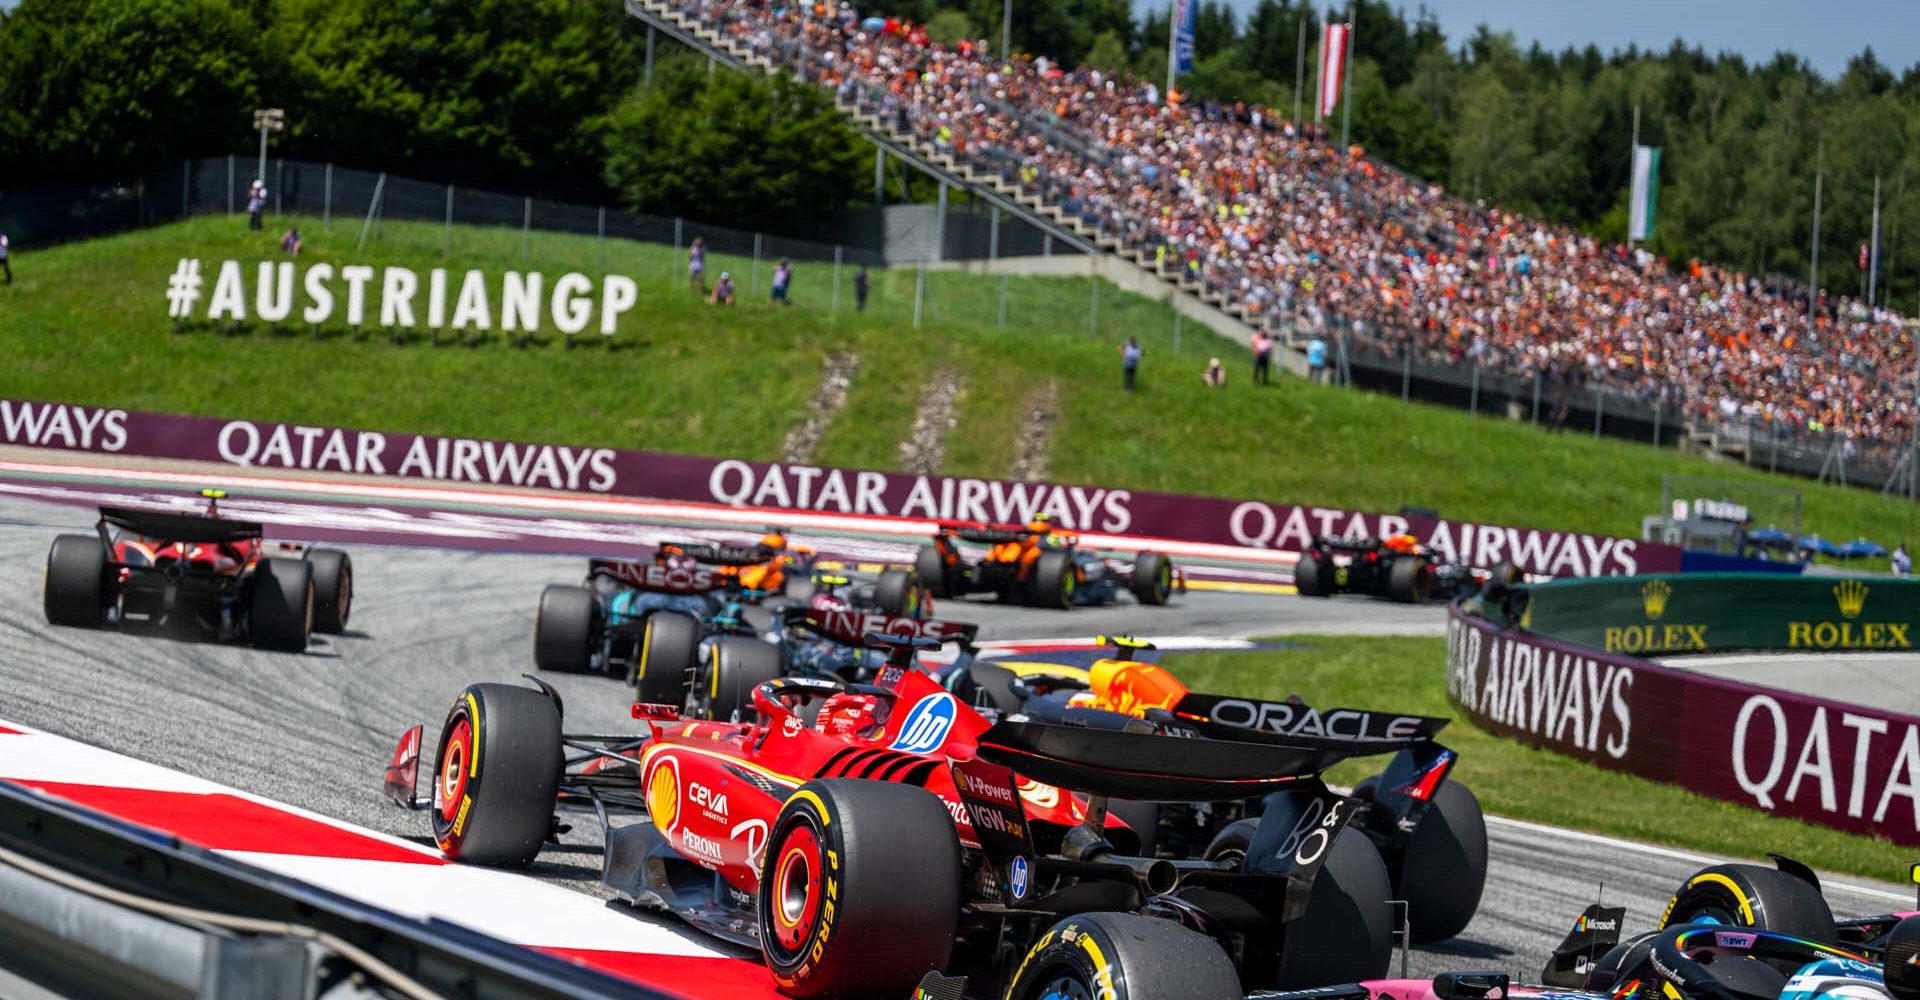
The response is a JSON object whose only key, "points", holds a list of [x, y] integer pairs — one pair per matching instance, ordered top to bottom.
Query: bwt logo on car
{"points": [[927, 725]]}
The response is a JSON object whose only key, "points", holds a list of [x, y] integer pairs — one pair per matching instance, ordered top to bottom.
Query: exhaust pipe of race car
{"points": [[1154, 876]]}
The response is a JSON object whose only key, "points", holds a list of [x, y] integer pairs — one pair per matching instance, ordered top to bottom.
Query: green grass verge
{"points": [[87, 323], [1405, 674]]}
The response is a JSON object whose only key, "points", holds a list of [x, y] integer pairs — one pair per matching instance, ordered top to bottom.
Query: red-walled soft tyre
{"points": [[496, 775], [860, 889]]}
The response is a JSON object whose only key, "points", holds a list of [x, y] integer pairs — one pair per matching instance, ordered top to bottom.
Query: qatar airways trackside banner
{"points": [[801, 488], [1839, 765]]}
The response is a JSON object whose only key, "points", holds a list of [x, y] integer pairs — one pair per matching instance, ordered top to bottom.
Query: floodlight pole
{"points": [[267, 120]]}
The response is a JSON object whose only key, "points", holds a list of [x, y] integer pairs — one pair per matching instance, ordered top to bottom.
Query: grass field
{"points": [[87, 323], [1406, 674]]}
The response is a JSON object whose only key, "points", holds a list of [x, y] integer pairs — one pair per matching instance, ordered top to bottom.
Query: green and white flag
{"points": [[1646, 192]]}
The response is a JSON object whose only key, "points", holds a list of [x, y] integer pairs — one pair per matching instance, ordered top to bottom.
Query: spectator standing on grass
{"points": [[256, 203], [290, 243], [5, 264], [697, 265], [782, 276], [860, 285], [723, 290], [1262, 358], [1316, 359], [1130, 362], [1216, 375], [1902, 563]]}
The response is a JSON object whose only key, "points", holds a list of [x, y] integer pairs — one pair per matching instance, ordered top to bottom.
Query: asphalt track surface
{"points": [[1890, 676], [314, 729]]}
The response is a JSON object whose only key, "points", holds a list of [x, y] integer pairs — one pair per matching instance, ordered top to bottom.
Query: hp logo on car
{"points": [[927, 725], [1019, 879]]}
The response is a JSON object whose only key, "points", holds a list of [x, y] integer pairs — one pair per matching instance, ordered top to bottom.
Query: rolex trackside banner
{"points": [[802, 488], [1845, 766]]}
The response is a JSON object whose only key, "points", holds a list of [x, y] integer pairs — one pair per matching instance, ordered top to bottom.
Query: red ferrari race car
{"points": [[1040, 565], [204, 574], [902, 840]]}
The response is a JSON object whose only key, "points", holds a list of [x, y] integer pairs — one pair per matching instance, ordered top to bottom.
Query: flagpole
{"points": [[1173, 35], [1300, 67], [1346, 71], [1320, 77], [1633, 164], [1873, 262], [1813, 272]]}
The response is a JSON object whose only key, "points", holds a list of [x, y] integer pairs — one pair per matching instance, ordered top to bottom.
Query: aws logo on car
{"points": [[927, 724]]}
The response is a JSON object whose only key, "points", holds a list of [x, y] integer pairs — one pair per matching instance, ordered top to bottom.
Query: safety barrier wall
{"points": [[735, 483], [1708, 612], [1822, 761]]}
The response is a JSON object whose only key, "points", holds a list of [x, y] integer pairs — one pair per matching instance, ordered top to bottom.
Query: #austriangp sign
{"points": [[802, 488], [1707, 612], [1844, 766]]}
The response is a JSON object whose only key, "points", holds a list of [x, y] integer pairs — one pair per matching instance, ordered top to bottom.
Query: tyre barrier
{"points": [[782, 490], [1827, 762]]}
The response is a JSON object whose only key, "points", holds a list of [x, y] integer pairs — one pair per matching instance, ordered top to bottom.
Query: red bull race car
{"points": [[1039, 565], [1397, 568], [196, 574], [901, 840]]}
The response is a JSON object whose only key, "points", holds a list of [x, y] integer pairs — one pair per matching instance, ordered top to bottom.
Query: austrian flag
{"points": [[1333, 65]]}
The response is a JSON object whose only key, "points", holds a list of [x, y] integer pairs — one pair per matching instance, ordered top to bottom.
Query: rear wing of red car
{"points": [[168, 526]]}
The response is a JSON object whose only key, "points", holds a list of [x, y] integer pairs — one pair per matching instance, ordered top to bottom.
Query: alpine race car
{"points": [[1040, 565], [1398, 568], [203, 574], [599, 626], [903, 840], [1437, 864]]}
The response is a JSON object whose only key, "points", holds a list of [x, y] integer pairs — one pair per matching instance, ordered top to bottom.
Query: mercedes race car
{"points": [[1040, 565], [1398, 568], [199, 574], [600, 626], [902, 840], [1437, 864]]}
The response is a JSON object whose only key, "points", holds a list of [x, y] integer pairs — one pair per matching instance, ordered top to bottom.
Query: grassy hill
{"points": [[87, 322]]}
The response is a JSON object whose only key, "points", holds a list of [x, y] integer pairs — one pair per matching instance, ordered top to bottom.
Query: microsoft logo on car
{"points": [[927, 725]]}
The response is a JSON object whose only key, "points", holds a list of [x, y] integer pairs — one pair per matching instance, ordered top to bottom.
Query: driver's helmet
{"points": [[1040, 524], [774, 540], [1403, 543], [673, 559], [827, 600], [847, 714], [1836, 977]]}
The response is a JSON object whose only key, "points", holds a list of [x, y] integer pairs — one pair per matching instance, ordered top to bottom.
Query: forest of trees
{"points": [[545, 96]]}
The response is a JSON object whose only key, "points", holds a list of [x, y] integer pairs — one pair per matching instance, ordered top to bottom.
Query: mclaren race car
{"points": [[1040, 565], [1398, 568], [199, 574], [902, 839], [1437, 863]]}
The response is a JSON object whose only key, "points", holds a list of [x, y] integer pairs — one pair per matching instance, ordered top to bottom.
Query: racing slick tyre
{"points": [[932, 571], [1309, 577], [1053, 580], [1152, 580], [1408, 580], [332, 589], [73, 592], [895, 592], [280, 615], [563, 629], [739, 665], [665, 667], [496, 775], [1143, 818], [849, 863], [1444, 867], [1752, 896], [1347, 932], [1125, 956], [1902, 975]]}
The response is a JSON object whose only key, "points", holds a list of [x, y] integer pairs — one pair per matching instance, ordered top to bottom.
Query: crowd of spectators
{"points": [[1323, 242]]}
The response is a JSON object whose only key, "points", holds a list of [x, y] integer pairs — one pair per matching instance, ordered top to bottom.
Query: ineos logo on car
{"points": [[927, 725]]}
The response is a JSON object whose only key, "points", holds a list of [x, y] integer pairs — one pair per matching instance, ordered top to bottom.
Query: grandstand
{"points": [[1273, 224]]}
